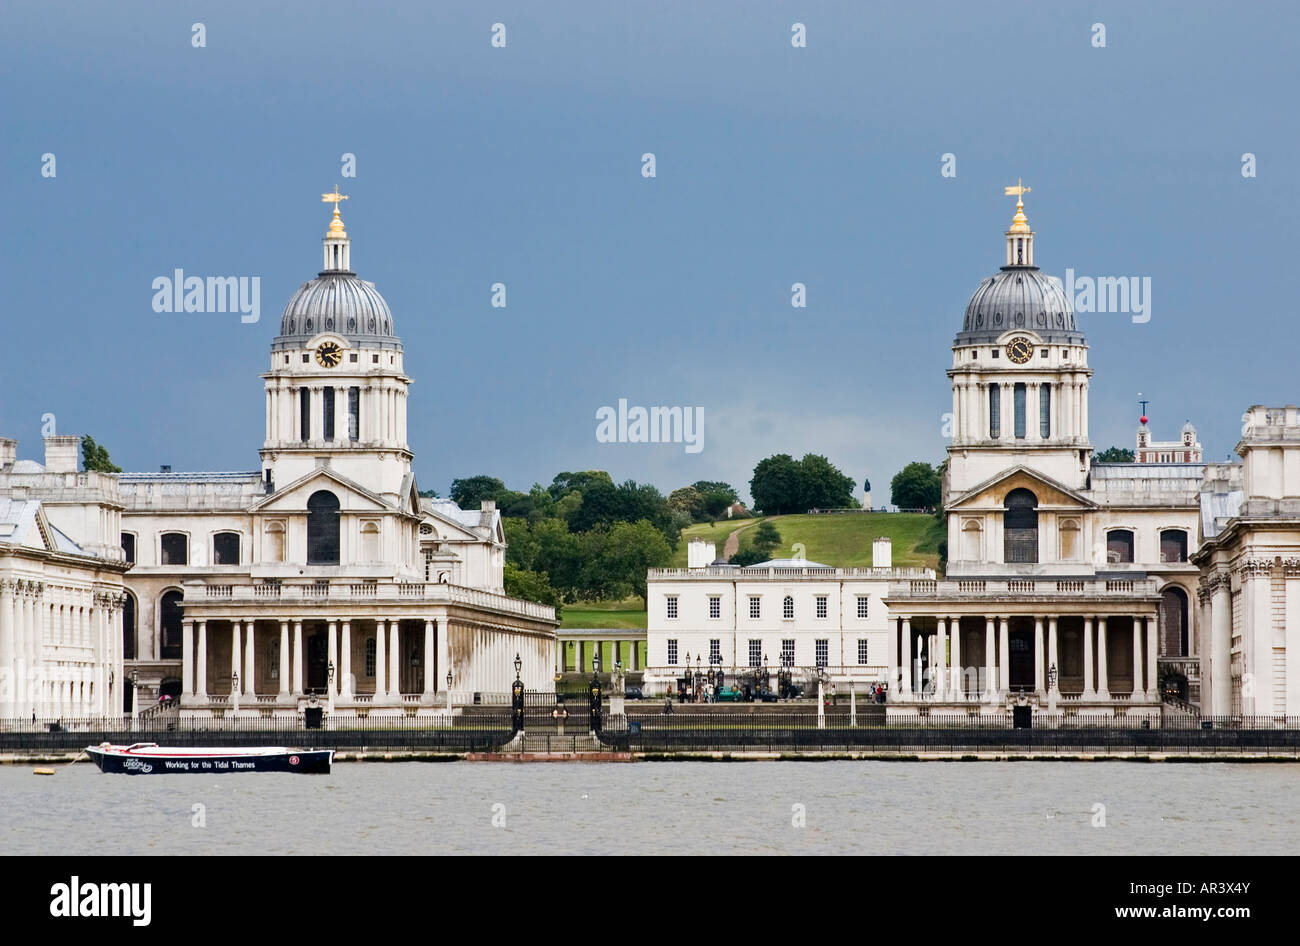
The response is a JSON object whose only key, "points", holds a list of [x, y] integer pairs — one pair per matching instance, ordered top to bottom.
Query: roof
{"points": [[1018, 297], [337, 302], [22, 523]]}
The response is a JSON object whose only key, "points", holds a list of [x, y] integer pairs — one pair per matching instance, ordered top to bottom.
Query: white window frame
{"points": [[715, 607], [755, 607], [823, 607], [864, 607], [670, 608]]}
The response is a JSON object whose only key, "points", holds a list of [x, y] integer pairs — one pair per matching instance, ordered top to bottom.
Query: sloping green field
{"points": [[843, 541]]}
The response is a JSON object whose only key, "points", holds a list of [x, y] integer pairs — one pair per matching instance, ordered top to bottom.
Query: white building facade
{"points": [[323, 574]]}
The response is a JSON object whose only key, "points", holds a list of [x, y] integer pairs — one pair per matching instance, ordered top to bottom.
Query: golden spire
{"points": [[1019, 223], [336, 225]]}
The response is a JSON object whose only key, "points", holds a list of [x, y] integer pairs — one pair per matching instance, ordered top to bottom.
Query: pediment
{"points": [[992, 493], [353, 497]]}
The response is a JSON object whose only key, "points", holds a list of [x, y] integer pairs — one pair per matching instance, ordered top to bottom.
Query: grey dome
{"points": [[1019, 297], [337, 302]]}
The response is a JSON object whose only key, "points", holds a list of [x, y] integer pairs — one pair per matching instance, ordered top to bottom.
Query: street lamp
{"points": [[519, 665], [1051, 677], [449, 691]]}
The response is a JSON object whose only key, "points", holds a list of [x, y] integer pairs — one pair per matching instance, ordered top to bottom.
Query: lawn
{"points": [[842, 541], [629, 613]]}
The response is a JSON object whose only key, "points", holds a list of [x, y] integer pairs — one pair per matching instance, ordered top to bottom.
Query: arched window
{"points": [[1020, 527], [323, 528], [972, 541], [370, 542], [1173, 545], [1119, 546], [175, 548], [225, 548], [787, 608], [170, 613], [1173, 622], [128, 628]]}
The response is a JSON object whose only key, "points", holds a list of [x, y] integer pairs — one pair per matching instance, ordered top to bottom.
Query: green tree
{"points": [[1115, 455], [94, 458], [775, 485], [823, 486], [915, 486], [469, 492], [429, 493], [687, 500], [766, 540], [747, 557], [617, 558], [531, 586]]}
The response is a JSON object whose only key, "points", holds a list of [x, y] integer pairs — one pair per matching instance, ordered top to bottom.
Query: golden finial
{"points": [[1019, 223], [336, 225]]}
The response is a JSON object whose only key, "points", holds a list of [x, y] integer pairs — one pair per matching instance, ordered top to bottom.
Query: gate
{"points": [[555, 713]]}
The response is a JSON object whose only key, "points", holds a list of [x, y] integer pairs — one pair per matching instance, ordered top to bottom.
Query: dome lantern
{"points": [[1020, 239], [338, 248]]}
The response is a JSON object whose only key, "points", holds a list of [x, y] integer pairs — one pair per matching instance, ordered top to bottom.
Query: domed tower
{"points": [[1019, 375], [336, 391]]}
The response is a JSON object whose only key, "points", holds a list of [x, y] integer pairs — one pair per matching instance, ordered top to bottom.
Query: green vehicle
{"points": [[730, 695]]}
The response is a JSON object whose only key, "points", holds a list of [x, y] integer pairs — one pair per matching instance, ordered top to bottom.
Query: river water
{"points": [[586, 808]]}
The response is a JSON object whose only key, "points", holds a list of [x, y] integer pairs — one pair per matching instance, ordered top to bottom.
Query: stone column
{"points": [[442, 635], [1220, 650], [236, 652], [333, 654], [284, 658], [1053, 658], [1137, 658], [187, 659], [297, 659], [905, 660], [394, 661], [990, 661], [201, 662], [939, 662], [250, 663], [381, 665], [1004, 665], [8, 668], [345, 677], [429, 685], [1153, 685], [1040, 687], [957, 689], [1103, 690], [1089, 691]]}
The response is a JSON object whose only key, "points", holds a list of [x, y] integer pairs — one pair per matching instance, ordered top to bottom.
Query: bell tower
{"points": [[1019, 374], [336, 389]]}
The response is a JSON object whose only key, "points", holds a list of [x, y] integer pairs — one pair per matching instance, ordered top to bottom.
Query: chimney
{"points": [[8, 452], [61, 454], [489, 505], [700, 553], [882, 553]]}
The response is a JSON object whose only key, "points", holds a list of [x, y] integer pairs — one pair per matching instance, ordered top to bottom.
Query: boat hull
{"points": [[156, 761]]}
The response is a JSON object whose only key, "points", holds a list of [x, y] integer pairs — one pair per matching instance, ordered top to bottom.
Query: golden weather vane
{"points": [[1018, 189], [335, 197]]}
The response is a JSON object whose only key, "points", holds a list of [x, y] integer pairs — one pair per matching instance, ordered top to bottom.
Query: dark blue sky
{"points": [[522, 165]]}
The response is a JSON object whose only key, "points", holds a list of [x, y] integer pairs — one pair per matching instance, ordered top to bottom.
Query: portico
{"points": [[991, 641]]}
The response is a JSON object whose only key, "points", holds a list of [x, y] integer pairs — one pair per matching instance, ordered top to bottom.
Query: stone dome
{"points": [[1019, 297], [337, 302]]}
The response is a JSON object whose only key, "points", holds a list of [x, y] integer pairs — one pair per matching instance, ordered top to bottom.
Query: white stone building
{"points": [[1185, 450], [1249, 560], [323, 573], [61, 586], [784, 612]]}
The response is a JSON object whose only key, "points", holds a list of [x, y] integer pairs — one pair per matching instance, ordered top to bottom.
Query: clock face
{"points": [[1020, 350], [329, 355]]}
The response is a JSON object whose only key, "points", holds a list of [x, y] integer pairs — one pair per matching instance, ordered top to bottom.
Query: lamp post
{"points": [[519, 665], [329, 683], [234, 690], [448, 691], [1052, 692], [135, 696], [821, 697], [517, 698]]}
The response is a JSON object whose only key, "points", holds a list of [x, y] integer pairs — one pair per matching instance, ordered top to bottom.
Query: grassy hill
{"points": [[843, 541]]}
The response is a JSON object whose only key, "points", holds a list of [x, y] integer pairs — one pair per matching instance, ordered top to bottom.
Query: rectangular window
{"points": [[1018, 403], [328, 406], [995, 410], [1045, 410], [354, 412], [304, 414], [128, 546], [863, 603], [715, 606], [821, 606], [672, 607], [787, 608], [755, 610], [715, 651], [862, 651], [787, 652], [823, 652], [672, 653], [755, 653], [370, 657], [273, 659]]}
